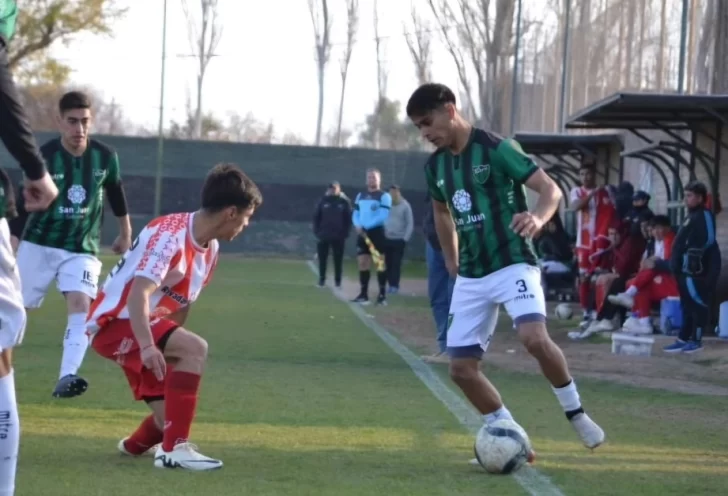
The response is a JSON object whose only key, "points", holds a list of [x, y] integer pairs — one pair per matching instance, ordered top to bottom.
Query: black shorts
{"points": [[378, 239]]}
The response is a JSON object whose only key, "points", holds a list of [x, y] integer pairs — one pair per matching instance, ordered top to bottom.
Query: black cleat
{"points": [[361, 299], [382, 300], [70, 386]]}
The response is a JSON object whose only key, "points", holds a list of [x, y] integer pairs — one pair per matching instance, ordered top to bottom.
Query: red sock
{"points": [[584, 290], [180, 401], [146, 436]]}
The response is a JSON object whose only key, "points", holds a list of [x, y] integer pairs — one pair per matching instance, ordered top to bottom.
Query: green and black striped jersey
{"points": [[484, 188], [73, 221]]}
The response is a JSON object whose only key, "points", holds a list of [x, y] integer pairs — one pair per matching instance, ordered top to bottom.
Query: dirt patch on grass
{"points": [[702, 373]]}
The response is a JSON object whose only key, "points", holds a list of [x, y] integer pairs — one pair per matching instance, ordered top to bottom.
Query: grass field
{"points": [[301, 398]]}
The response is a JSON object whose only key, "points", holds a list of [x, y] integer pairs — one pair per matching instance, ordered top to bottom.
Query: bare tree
{"points": [[321, 19], [352, 25], [204, 33], [487, 42], [419, 44], [663, 45], [704, 60], [720, 66], [382, 73]]}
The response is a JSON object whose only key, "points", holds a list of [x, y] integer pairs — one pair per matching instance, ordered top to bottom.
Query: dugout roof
{"points": [[700, 115], [561, 152]]}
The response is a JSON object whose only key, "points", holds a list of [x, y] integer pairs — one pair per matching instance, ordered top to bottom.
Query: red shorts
{"points": [[593, 258], [116, 342]]}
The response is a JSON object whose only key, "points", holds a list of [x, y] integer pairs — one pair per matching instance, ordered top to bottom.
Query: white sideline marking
{"points": [[530, 479]]}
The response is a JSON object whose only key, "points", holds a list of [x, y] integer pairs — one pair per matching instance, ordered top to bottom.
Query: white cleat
{"points": [[622, 299], [590, 433], [123, 450], [186, 456]]}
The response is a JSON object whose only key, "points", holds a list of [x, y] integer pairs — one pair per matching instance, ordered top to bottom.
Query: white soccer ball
{"points": [[563, 311], [502, 447]]}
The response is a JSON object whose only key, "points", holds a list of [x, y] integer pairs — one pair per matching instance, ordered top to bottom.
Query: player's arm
{"points": [[15, 131], [522, 169], [117, 197], [577, 202], [356, 216], [444, 224], [139, 312]]}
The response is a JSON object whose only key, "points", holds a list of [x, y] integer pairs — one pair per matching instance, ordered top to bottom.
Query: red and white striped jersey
{"points": [[594, 220], [165, 253]]}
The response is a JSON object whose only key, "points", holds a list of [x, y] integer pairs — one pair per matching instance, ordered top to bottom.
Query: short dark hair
{"points": [[429, 97], [74, 100], [226, 185], [697, 188], [661, 221]]}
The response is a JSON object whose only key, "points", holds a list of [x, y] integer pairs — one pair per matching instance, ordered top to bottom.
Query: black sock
{"points": [[382, 280], [364, 281], [573, 413]]}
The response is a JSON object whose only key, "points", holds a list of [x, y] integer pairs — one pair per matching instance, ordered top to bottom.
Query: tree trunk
{"points": [[631, 14], [663, 42], [705, 50], [640, 53], [720, 66], [341, 109], [320, 115]]}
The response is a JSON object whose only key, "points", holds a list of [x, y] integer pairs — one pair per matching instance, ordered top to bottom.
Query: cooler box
{"points": [[670, 316]]}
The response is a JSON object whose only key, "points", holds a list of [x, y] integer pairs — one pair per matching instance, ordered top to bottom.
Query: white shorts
{"points": [[39, 265], [554, 267], [475, 303], [12, 311]]}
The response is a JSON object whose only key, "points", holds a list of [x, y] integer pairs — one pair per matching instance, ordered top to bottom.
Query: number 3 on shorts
{"points": [[521, 286]]}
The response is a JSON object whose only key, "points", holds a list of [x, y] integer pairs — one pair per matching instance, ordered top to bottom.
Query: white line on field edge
{"points": [[530, 479]]}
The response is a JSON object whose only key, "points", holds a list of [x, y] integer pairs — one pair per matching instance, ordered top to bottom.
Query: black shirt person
{"points": [[331, 226], [695, 262]]}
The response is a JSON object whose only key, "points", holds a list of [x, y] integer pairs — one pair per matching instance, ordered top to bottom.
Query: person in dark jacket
{"points": [[639, 212], [331, 226], [695, 262], [439, 284]]}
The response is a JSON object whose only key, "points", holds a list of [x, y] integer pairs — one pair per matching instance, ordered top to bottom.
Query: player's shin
{"points": [[75, 344], [477, 388], [180, 406], [9, 435], [147, 435]]}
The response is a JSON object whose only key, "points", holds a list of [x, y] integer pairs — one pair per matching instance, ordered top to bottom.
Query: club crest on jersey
{"points": [[481, 173], [77, 194]]}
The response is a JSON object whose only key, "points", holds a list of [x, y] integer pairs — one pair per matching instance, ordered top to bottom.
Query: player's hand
{"points": [[39, 194], [526, 224], [121, 244], [452, 267], [153, 359]]}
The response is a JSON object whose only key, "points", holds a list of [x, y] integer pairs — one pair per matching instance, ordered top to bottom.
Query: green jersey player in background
{"points": [[476, 180], [62, 242]]}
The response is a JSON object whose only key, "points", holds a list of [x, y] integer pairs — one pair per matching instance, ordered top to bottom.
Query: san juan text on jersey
{"points": [[484, 188], [73, 221]]}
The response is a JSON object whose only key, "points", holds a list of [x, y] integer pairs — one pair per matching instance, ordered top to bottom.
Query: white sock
{"points": [[631, 291], [645, 320], [75, 343], [568, 396], [499, 414], [9, 435]]}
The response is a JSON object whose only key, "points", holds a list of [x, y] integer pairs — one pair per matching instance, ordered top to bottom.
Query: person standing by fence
{"points": [[331, 226], [398, 229]]}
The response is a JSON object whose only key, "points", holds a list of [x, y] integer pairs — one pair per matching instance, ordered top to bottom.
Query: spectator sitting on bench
{"points": [[629, 245], [554, 246], [653, 283]]}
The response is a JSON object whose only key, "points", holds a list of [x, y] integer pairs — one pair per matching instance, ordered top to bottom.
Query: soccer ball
{"points": [[563, 311], [502, 447]]}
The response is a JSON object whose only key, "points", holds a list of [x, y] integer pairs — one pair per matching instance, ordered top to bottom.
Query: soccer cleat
{"points": [[321, 284], [361, 299], [622, 299], [382, 300], [604, 325], [634, 326], [675, 347], [692, 347], [439, 357], [70, 386], [590, 433], [122, 449], [186, 456]]}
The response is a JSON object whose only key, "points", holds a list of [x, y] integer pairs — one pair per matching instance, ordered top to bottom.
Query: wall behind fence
{"points": [[292, 180]]}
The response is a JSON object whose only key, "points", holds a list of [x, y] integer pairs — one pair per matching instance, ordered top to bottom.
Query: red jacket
{"points": [[628, 255]]}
